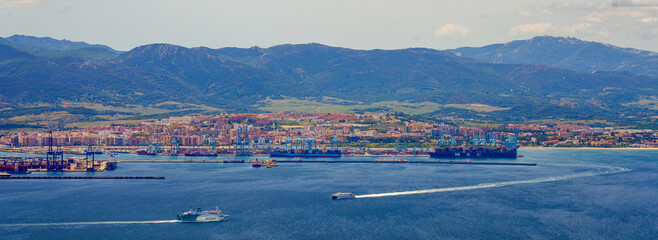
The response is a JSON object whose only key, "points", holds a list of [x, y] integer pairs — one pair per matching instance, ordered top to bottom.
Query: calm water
{"points": [[292, 201]]}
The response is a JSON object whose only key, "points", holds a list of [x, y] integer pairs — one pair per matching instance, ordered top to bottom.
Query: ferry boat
{"points": [[343, 195], [202, 216]]}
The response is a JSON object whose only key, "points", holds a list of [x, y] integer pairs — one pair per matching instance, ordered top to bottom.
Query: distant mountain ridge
{"points": [[49, 43], [53, 48], [567, 53], [240, 80]]}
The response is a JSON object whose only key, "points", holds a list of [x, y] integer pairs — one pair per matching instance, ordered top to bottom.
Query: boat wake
{"points": [[603, 170], [86, 223]]}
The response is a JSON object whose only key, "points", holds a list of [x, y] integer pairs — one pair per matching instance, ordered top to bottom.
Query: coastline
{"points": [[588, 148]]}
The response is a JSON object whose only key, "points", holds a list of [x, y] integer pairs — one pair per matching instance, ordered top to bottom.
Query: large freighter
{"points": [[306, 148], [480, 148], [305, 153], [202, 216]]}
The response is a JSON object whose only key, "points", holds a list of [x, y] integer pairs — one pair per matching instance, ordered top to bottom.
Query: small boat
{"points": [[256, 163], [343, 195], [202, 216]]}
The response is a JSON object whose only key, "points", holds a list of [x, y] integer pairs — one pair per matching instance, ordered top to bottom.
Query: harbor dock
{"points": [[336, 161], [413, 162], [82, 177]]}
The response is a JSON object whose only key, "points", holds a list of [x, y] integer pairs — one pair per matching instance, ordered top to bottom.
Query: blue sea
{"points": [[570, 194]]}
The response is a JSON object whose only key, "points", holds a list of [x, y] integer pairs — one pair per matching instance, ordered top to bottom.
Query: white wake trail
{"points": [[609, 170], [87, 223]]}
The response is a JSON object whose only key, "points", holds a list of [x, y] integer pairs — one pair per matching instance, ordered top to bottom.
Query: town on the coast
{"points": [[367, 133]]}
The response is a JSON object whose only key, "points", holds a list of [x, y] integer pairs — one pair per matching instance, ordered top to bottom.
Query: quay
{"points": [[176, 161], [335, 161], [413, 162], [82, 177]]}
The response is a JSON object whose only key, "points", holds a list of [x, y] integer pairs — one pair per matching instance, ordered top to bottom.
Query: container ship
{"points": [[306, 148], [480, 148], [153, 149], [145, 152], [333, 153], [201, 154], [11, 169], [202, 216]]}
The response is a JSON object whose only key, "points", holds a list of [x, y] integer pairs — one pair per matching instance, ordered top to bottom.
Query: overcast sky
{"points": [[360, 24]]}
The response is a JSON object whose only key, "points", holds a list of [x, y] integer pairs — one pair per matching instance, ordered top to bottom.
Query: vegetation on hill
{"points": [[416, 81]]}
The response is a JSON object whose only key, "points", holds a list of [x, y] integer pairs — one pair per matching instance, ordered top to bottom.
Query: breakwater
{"points": [[83, 177]]}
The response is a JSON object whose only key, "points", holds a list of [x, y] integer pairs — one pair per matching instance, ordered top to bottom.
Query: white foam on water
{"points": [[605, 170], [87, 223]]}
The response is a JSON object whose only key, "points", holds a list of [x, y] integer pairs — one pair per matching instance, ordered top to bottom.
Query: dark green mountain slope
{"points": [[237, 79]]}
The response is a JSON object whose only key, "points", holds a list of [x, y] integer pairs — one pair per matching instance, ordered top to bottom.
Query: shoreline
{"points": [[588, 148], [402, 155]]}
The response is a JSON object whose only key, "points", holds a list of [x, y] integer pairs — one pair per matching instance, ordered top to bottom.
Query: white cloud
{"points": [[19, 3], [634, 3], [525, 14], [616, 15], [649, 20], [532, 29], [535, 29], [574, 30], [452, 31]]}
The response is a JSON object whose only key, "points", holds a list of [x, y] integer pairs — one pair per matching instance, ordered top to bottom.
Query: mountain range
{"points": [[567, 53], [540, 78]]}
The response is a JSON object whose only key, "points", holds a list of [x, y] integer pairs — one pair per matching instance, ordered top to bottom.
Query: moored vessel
{"points": [[306, 148], [480, 148], [145, 152], [305, 153], [201, 154], [111, 162], [256, 163]]}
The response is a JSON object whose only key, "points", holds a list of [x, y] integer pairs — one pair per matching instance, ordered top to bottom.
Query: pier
{"points": [[336, 161], [412, 162], [83, 177]]}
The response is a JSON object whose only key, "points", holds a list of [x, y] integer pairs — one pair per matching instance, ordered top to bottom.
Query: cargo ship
{"points": [[306, 148], [480, 148], [153, 149], [145, 152], [478, 152], [332, 153], [201, 154], [111, 163], [11, 169], [343, 195], [202, 216]]}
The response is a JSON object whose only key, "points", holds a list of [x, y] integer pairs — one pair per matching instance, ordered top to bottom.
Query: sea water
{"points": [[570, 194]]}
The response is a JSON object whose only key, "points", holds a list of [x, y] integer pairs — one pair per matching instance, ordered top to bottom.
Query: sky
{"points": [[358, 24]]}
